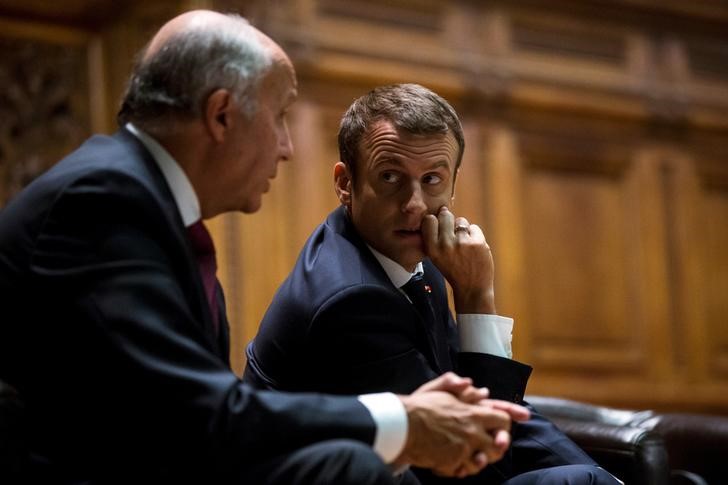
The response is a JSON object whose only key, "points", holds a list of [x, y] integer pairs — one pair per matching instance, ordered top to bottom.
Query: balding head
{"points": [[196, 20], [191, 56]]}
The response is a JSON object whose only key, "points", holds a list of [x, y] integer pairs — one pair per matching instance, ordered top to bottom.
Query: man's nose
{"points": [[286, 146], [415, 201]]}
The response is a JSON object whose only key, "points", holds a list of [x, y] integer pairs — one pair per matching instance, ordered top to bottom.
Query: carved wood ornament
{"points": [[42, 108]]}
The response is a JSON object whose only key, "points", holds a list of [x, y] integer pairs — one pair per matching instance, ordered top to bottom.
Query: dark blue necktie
{"points": [[205, 252], [420, 294]]}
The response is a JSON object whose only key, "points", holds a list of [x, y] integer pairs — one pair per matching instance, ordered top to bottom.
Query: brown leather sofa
{"points": [[639, 447], [645, 447]]}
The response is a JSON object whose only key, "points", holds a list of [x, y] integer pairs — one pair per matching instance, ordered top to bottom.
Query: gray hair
{"points": [[175, 81], [409, 107]]}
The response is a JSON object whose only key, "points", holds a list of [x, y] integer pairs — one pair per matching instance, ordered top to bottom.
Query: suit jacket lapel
{"points": [[188, 271]]}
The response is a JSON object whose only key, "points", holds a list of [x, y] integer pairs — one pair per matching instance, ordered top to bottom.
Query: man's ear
{"points": [[218, 114], [343, 184]]}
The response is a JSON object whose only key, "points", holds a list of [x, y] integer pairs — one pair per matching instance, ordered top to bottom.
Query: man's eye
{"points": [[390, 177], [432, 179]]}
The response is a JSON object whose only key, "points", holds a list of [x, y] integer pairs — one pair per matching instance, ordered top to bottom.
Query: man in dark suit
{"points": [[365, 308], [113, 327]]}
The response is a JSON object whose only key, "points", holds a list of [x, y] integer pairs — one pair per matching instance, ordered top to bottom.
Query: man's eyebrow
{"points": [[387, 159], [441, 163]]}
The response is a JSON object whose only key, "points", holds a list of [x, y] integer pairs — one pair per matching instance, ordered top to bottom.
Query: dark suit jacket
{"points": [[338, 325], [107, 335]]}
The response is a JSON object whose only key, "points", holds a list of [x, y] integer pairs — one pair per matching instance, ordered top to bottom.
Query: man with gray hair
{"points": [[365, 308], [114, 330]]}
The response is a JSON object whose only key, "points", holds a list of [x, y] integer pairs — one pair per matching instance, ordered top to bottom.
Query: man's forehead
{"points": [[279, 84], [385, 130]]}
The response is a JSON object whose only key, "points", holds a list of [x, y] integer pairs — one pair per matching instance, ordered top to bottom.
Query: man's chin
{"points": [[252, 205], [408, 259]]}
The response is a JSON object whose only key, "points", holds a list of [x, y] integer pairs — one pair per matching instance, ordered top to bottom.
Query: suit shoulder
{"points": [[103, 167], [92, 186], [104, 201], [330, 263], [330, 269]]}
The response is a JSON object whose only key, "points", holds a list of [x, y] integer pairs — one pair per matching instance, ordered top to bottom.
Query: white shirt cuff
{"points": [[486, 334], [390, 418]]}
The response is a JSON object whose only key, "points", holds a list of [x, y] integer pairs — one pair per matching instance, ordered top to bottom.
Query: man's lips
{"points": [[267, 182]]}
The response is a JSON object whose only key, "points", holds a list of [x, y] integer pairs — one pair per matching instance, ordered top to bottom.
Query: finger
{"points": [[446, 220], [462, 227], [429, 229], [476, 234], [454, 384], [474, 395], [515, 411], [493, 420], [502, 440], [499, 446], [484, 449], [480, 460], [476, 463]]}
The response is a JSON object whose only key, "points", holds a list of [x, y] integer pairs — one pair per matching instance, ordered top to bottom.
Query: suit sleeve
{"points": [[135, 364], [505, 378]]}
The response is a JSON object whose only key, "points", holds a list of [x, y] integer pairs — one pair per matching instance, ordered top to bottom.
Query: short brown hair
{"points": [[410, 107]]}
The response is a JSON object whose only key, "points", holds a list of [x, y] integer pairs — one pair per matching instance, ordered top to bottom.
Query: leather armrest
{"points": [[697, 444], [634, 454]]}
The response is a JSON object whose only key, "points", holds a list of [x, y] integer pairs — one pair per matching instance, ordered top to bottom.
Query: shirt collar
{"points": [[184, 194], [395, 272]]}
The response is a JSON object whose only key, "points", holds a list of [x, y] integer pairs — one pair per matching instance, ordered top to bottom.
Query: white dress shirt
{"points": [[184, 194]]}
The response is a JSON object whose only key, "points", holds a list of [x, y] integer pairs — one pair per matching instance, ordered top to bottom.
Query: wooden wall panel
{"points": [[503, 187], [576, 244], [716, 278]]}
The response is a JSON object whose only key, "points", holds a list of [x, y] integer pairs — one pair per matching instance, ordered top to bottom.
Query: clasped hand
{"points": [[454, 429]]}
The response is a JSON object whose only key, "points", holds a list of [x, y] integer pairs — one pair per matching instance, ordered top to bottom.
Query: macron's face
{"points": [[400, 178]]}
